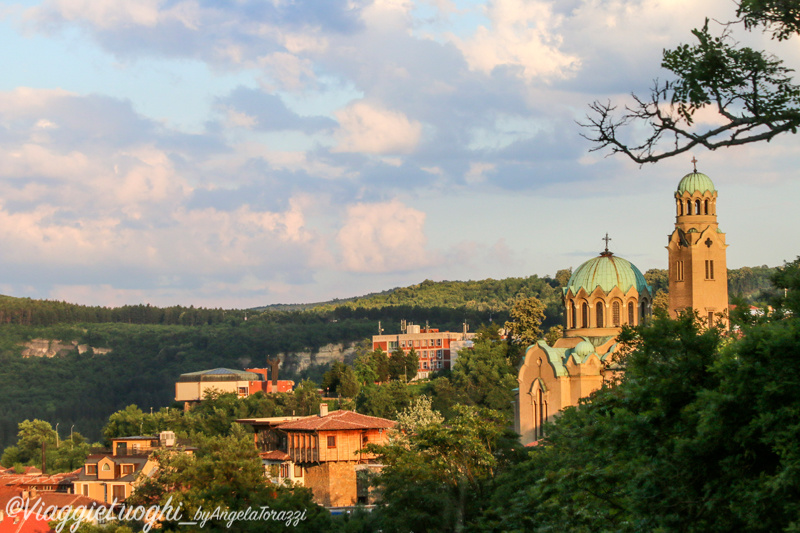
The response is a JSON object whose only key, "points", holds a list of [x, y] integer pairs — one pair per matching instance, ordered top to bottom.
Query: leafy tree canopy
{"points": [[752, 92], [526, 319], [700, 435], [436, 477]]}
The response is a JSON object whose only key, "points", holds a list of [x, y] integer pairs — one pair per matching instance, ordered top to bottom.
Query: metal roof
{"points": [[695, 182], [607, 272], [219, 374]]}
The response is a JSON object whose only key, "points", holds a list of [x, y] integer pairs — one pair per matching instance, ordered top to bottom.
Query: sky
{"points": [[242, 153]]}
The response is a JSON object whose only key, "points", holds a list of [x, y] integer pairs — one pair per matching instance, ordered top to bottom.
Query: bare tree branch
{"points": [[752, 92]]}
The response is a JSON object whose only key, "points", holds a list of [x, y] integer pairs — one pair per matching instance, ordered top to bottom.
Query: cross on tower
{"points": [[694, 162], [606, 238]]}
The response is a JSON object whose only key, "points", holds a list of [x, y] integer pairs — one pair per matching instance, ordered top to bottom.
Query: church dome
{"points": [[695, 182], [607, 272], [584, 348]]}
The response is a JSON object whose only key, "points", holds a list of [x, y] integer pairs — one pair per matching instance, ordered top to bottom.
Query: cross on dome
{"points": [[606, 238]]}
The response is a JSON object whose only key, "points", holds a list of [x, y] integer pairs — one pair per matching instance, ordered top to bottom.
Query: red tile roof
{"points": [[338, 421], [275, 455], [42, 500], [19, 524]]}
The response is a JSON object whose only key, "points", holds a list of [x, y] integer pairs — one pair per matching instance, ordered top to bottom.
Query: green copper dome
{"points": [[695, 182], [607, 272], [584, 349]]}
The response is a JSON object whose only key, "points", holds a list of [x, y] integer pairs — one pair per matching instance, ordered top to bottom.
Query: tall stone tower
{"points": [[698, 270]]}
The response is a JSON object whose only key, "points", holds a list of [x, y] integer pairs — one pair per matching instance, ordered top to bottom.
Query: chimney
{"points": [[323, 409]]}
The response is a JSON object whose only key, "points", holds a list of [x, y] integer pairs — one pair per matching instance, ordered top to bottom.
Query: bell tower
{"points": [[698, 270]]}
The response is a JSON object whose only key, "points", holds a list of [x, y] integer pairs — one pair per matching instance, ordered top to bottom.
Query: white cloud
{"points": [[107, 13], [115, 14], [523, 34], [289, 70], [238, 119], [373, 130], [33, 160], [477, 172], [383, 237]]}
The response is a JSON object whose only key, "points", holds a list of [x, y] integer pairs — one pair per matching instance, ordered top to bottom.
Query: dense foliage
{"points": [[142, 367], [700, 435]]}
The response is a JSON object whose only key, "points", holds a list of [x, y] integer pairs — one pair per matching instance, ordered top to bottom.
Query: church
{"points": [[607, 292]]}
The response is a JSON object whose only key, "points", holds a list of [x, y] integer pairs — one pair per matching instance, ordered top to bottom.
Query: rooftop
{"points": [[219, 374], [338, 421]]}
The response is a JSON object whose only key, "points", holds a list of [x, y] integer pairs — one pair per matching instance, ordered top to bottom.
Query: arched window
{"points": [[688, 207], [697, 207], [680, 208], [706, 209], [615, 313], [643, 313], [599, 314], [631, 314], [573, 315], [585, 315], [539, 400], [542, 413]]}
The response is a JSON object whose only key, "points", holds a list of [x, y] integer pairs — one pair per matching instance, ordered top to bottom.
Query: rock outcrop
{"points": [[53, 348]]}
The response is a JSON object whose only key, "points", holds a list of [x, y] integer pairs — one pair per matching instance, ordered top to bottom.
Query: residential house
{"points": [[324, 452], [112, 475], [36, 491]]}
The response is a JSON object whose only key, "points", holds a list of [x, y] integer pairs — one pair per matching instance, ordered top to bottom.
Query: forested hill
{"points": [[486, 296], [134, 354]]}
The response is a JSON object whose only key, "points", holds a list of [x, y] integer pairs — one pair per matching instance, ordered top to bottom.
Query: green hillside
{"points": [[150, 346]]}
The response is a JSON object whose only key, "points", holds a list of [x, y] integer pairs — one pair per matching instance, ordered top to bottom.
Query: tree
{"points": [[751, 91], [562, 276], [657, 278], [661, 301], [526, 318], [487, 332], [553, 334], [403, 365], [411, 365], [372, 367], [485, 375], [341, 379], [348, 384], [305, 399], [385, 400], [420, 413], [125, 423], [31, 435], [700, 435], [71, 454], [610, 464], [225, 474], [435, 477]]}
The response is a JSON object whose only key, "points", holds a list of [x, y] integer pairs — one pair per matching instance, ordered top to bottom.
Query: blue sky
{"points": [[247, 152]]}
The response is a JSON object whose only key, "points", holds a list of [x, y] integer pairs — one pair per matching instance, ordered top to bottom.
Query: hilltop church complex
{"points": [[607, 292]]}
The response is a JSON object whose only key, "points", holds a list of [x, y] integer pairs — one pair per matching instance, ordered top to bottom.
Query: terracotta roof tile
{"points": [[338, 421], [275, 455]]}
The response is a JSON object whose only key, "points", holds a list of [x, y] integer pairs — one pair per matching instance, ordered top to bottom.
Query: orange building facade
{"points": [[698, 269], [607, 292], [435, 349], [192, 387], [324, 452], [113, 475]]}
